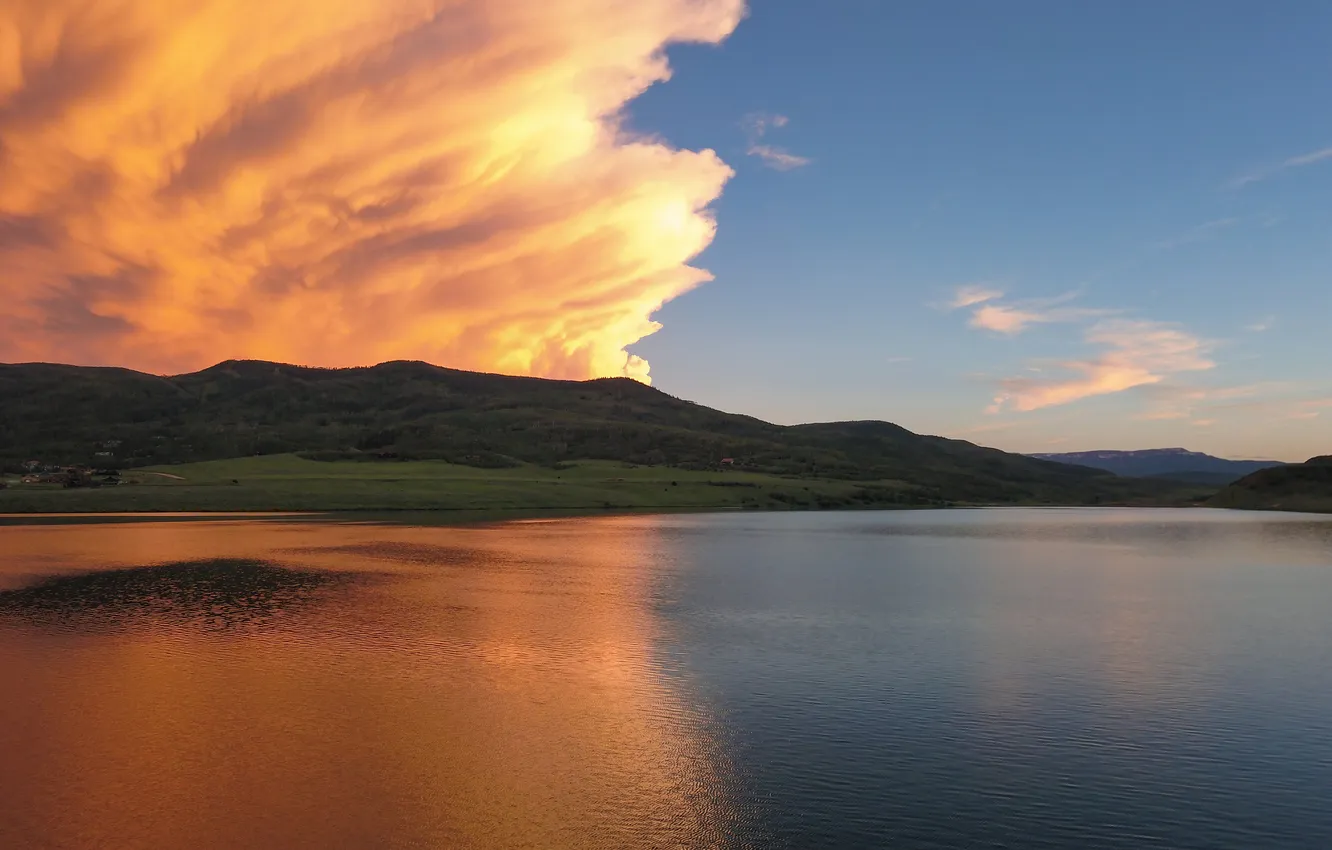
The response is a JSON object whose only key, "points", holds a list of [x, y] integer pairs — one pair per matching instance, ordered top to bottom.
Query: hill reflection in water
{"points": [[219, 593]]}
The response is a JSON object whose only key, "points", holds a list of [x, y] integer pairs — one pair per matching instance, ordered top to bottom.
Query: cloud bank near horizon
{"points": [[183, 181]]}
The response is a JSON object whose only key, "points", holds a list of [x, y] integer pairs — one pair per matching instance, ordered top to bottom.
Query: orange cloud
{"points": [[339, 183], [968, 296], [1003, 319], [1012, 319], [1138, 353]]}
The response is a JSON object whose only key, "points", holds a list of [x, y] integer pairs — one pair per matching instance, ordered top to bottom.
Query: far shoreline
{"points": [[295, 485], [461, 517]]}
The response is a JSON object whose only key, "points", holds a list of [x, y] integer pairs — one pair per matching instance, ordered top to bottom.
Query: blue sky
{"points": [[1043, 226]]}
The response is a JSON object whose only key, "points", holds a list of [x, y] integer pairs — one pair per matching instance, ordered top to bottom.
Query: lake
{"points": [[1061, 678]]}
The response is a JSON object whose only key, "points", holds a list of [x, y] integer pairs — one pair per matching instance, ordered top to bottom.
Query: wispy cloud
{"points": [[756, 126], [776, 158], [1308, 158], [1259, 174], [1198, 233], [968, 296], [1003, 319], [1012, 319], [1263, 324], [1135, 353], [1170, 400], [1270, 401], [1309, 409], [1162, 415], [985, 428]]}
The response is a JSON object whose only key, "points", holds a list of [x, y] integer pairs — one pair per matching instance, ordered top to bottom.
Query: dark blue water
{"points": [[962, 679], [1020, 679]]}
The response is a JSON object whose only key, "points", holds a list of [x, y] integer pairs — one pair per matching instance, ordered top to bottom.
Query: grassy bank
{"points": [[290, 483]]}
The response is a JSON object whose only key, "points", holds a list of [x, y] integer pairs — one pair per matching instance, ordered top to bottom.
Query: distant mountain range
{"points": [[402, 410], [1176, 464], [1295, 487]]}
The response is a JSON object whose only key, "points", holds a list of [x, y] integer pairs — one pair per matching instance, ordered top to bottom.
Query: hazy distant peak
{"points": [[1167, 462]]}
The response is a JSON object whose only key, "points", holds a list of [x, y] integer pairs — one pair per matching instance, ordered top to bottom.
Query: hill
{"points": [[415, 411], [1178, 464], [1209, 479], [1297, 487]]}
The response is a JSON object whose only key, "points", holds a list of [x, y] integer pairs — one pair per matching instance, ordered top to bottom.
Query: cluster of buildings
{"points": [[37, 472]]}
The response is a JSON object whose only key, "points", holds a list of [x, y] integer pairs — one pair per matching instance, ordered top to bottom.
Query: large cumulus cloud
{"points": [[338, 182]]}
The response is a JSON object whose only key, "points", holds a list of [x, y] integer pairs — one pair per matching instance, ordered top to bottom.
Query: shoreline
{"points": [[286, 483], [479, 517]]}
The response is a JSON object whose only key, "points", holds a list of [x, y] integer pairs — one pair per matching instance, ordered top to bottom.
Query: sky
{"points": [[1043, 226]]}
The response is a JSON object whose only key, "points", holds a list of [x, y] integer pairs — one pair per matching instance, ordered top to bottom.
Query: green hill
{"points": [[411, 411], [1298, 487]]}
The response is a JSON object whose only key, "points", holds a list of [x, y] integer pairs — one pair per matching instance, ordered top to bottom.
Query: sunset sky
{"points": [[1044, 226]]}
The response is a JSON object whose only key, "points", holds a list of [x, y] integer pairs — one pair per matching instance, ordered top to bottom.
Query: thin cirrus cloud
{"points": [[757, 125], [776, 158], [1300, 161], [371, 179], [1199, 233], [968, 296], [1012, 319], [1134, 353], [1171, 400], [1264, 405], [1306, 408], [1309, 408]]}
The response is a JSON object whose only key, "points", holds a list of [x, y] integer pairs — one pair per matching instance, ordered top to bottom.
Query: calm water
{"points": [[964, 679]]}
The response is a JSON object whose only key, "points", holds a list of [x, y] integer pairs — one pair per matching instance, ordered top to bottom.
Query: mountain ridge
{"points": [[415, 410], [1178, 463]]}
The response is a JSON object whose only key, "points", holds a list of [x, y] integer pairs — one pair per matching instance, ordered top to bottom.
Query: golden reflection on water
{"points": [[442, 688]]}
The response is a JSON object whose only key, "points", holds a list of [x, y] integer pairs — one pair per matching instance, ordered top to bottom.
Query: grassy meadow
{"points": [[290, 483]]}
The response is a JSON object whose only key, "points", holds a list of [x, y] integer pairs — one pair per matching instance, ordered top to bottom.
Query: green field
{"points": [[290, 483]]}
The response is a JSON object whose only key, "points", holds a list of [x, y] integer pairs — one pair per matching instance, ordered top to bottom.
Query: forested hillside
{"points": [[412, 410]]}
